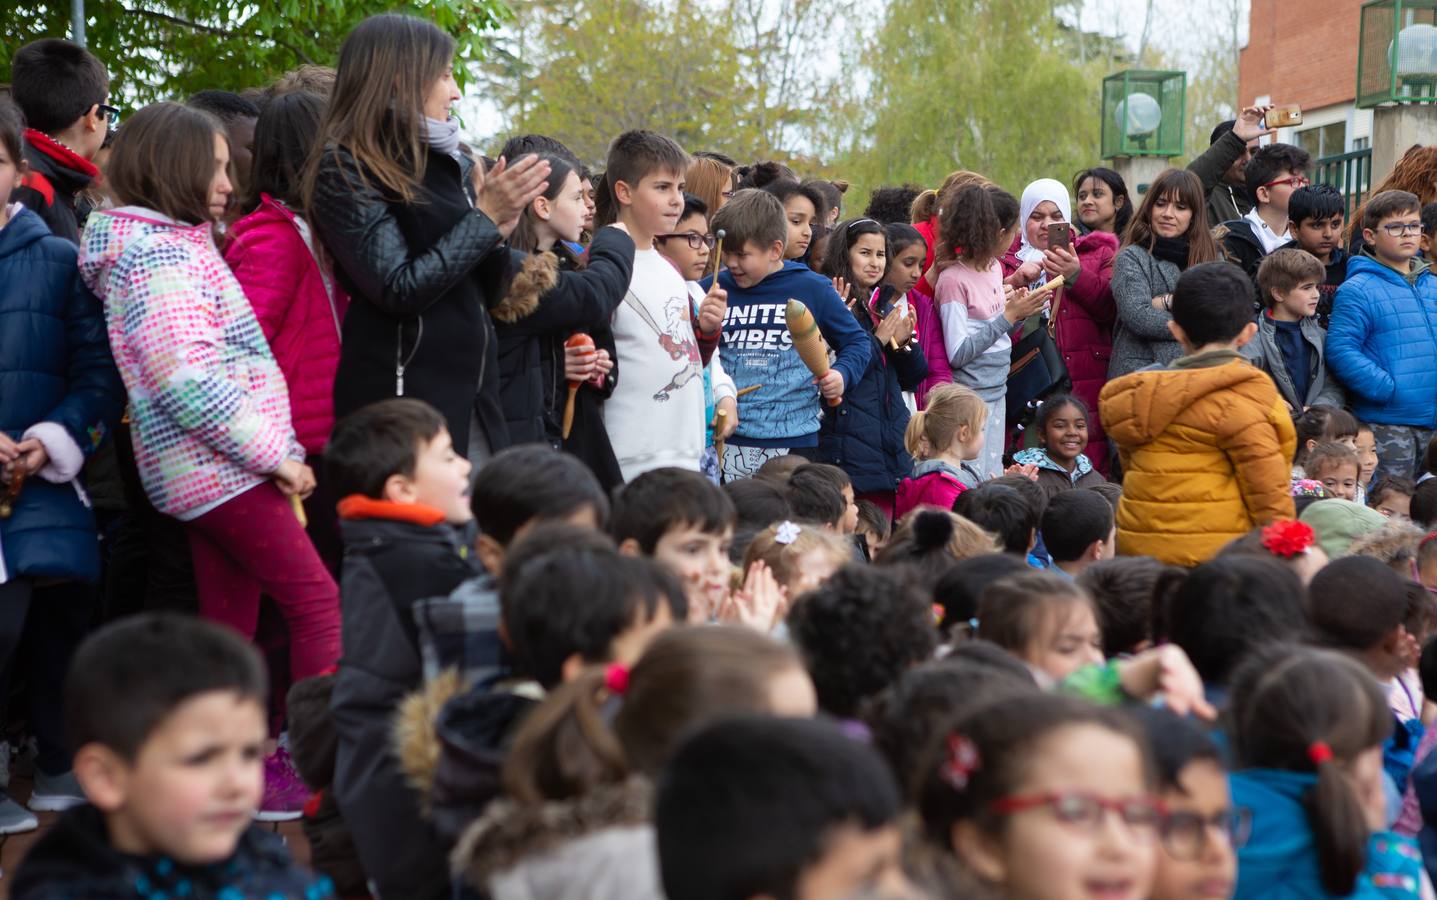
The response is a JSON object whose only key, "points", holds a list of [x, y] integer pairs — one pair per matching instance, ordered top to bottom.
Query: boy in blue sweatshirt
{"points": [[1383, 339], [783, 414]]}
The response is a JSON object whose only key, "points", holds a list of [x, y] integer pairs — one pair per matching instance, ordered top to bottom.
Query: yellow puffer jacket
{"points": [[1207, 449]]}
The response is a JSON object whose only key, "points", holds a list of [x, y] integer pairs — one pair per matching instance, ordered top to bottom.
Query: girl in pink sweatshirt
{"points": [[289, 283], [942, 438]]}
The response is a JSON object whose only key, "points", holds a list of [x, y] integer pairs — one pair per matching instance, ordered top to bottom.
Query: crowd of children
{"points": [[532, 531]]}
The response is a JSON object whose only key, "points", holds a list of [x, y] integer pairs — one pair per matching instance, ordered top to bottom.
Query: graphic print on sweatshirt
{"points": [[675, 337], [757, 349]]}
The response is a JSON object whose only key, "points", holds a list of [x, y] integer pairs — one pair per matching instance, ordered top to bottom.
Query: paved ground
{"points": [[14, 847]]}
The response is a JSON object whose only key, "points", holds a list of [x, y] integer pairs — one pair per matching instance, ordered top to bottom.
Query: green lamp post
{"points": [[1397, 77], [1143, 116]]}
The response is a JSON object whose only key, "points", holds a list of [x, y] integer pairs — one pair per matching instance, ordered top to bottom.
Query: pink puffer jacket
{"points": [[299, 307]]}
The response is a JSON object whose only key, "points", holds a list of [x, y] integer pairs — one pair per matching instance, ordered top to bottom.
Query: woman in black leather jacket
{"points": [[389, 196]]}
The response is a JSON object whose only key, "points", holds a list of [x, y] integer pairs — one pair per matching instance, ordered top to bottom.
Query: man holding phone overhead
{"points": [[1221, 166]]}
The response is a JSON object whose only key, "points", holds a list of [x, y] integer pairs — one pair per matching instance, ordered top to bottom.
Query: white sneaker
{"points": [[56, 793], [16, 819]]}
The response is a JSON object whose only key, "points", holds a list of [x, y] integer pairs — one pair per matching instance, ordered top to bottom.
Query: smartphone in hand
{"points": [[1284, 116], [1060, 234]]}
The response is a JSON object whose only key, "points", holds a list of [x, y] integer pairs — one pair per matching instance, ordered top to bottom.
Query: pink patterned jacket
{"points": [[209, 411]]}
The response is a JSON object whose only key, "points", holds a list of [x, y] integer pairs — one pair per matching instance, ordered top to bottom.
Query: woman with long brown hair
{"points": [[389, 193], [1168, 234]]}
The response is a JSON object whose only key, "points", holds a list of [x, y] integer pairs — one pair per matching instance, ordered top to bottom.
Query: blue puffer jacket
{"points": [[1382, 343], [55, 367], [864, 434], [1279, 860]]}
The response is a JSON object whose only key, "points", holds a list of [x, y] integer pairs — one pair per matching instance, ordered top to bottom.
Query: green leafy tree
{"points": [[159, 49], [737, 76], [996, 86]]}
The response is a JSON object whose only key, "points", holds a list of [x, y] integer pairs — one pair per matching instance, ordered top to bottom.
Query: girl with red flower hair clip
{"points": [[1288, 541]]}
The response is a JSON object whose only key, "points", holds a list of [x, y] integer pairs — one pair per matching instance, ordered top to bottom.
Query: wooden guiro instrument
{"points": [[808, 341]]}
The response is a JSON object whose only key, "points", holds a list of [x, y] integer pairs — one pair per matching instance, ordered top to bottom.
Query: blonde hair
{"points": [[925, 205], [949, 408], [914, 440], [782, 559]]}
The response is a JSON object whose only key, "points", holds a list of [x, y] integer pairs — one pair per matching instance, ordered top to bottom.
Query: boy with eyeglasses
{"points": [[61, 88], [1272, 175], [688, 247], [1383, 339]]}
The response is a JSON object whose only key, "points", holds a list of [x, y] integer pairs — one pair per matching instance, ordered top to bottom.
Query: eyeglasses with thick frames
{"points": [[111, 113], [1297, 181], [1399, 229], [696, 241], [1141, 815], [1186, 835]]}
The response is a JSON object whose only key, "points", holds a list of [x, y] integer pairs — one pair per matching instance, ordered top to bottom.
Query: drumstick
{"points": [[718, 252], [720, 419]]}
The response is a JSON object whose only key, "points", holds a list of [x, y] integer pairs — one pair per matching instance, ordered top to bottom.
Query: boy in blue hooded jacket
{"points": [[1383, 339], [757, 349]]}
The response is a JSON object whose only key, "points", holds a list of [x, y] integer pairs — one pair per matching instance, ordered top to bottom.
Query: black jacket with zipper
{"points": [[420, 276], [550, 299], [388, 566]]}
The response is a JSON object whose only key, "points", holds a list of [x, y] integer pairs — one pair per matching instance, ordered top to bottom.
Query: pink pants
{"points": [[253, 544]]}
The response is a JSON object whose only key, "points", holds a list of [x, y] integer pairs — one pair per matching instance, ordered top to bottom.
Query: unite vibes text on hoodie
{"points": [[757, 349]]}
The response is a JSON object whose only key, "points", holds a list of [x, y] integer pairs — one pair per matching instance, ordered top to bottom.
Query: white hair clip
{"points": [[787, 532]]}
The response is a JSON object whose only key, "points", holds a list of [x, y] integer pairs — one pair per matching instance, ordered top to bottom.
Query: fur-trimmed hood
{"points": [[537, 275], [416, 732], [599, 846]]}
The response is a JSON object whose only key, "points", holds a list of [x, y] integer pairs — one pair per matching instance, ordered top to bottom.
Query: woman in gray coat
{"points": [[1168, 234]]}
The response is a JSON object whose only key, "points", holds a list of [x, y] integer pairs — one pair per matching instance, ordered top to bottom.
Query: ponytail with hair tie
{"points": [[932, 529], [616, 679], [1319, 752]]}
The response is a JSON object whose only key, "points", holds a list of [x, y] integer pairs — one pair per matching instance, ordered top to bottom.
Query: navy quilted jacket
{"points": [[1382, 343], [55, 366], [864, 434]]}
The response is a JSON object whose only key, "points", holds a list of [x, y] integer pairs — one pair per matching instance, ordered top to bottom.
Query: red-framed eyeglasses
{"points": [[1297, 181], [1141, 815]]}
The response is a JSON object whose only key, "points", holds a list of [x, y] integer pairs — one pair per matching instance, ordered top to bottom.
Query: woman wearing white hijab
{"points": [[1086, 311]]}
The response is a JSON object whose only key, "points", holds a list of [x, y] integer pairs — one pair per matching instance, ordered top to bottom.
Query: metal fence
{"points": [[1350, 173]]}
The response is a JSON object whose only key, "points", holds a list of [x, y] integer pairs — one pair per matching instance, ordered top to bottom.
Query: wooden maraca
{"points": [[575, 340], [808, 341]]}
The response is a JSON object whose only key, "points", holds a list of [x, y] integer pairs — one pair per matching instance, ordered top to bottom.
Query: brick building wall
{"points": [[1301, 52]]}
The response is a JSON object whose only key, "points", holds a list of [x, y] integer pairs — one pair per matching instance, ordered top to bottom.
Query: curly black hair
{"points": [[892, 204], [858, 633]]}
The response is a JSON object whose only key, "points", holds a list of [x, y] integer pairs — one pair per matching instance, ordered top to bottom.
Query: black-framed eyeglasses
{"points": [[111, 113], [1398, 229], [696, 241], [1185, 835]]}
